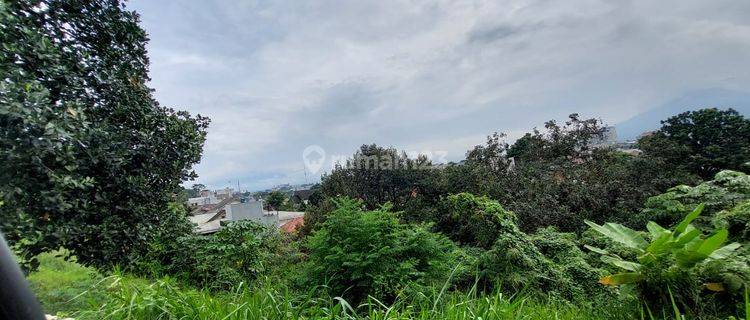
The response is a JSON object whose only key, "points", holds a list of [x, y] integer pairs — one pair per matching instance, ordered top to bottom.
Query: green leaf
{"points": [[688, 219], [655, 230], [621, 234], [688, 236], [713, 242], [660, 244], [594, 249], [724, 251], [689, 258], [627, 265], [621, 278]]}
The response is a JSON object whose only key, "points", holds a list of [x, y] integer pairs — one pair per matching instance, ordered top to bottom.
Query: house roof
{"points": [[293, 225]]}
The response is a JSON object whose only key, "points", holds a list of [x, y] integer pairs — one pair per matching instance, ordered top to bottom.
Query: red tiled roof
{"points": [[293, 225]]}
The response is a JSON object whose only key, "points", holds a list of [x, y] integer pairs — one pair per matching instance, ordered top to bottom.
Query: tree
{"points": [[703, 142], [88, 159], [378, 175], [195, 190], [275, 199]]}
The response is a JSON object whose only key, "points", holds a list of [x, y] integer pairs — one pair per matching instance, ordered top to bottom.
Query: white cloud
{"points": [[278, 76]]}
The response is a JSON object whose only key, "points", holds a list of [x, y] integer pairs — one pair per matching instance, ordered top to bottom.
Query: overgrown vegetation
{"points": [[89, 160], [91, 163]]}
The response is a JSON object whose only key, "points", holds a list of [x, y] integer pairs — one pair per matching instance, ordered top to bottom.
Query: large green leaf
{"points": [[688, 219], [655, 230], [621, 234], [686, 237], [713, 242], [661, 244], [595, 249], [724, 251], [689, 258], [627, 265], [621, 278]]}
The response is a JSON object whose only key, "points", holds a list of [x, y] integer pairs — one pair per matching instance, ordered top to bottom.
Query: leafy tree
{"points": [[570, 141], [703, 142], [88, 159], [377, 175], [559, 178], [195, 190], [275, 200], [357, 253]]}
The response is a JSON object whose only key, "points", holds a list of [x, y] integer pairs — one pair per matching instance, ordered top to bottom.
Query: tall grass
{"points": [[72, 290], [166, 299]]}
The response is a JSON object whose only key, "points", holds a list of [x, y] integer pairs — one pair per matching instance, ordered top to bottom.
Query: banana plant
{"points": [[685, 245]]}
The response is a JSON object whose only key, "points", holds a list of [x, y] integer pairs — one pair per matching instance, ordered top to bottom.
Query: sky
{"points": [[280, 78]]}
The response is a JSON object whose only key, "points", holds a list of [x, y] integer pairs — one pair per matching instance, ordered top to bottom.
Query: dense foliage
{"points": [[703, 142], [88, 159], [90, 162], [377, 175], [727, 190], [239, 252], [357, 253], [668, 263]]}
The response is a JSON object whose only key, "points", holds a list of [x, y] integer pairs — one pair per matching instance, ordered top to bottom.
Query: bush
{"points": [[724, 192], [736, 220], [473, 221], [239, 252], [357, 253], [515, 263], [668, 266]]}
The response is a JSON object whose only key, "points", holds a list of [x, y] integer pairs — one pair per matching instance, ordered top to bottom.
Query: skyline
{"points": [[278, 77]]}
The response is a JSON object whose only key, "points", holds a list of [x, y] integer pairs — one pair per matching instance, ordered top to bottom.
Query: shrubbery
{"points": [[728, 189], [472, 221], [239, 252], [357, 253], [669, 264]]}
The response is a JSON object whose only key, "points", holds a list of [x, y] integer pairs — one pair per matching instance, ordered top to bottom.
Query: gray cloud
{"points": [[278, 76]]}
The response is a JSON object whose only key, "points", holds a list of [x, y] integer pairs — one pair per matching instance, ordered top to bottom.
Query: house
{"points": [[607, 138], [224, 193], [202, 201], [234, 209], [292, 226]]}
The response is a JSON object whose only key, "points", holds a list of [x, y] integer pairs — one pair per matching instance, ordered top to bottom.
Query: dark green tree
{"points": [[703, 142], [88, 159], [377, 175], [195, 190], [275, 200]]}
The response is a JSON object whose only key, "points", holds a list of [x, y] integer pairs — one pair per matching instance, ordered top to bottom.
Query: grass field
{"points": [[68, 289]]}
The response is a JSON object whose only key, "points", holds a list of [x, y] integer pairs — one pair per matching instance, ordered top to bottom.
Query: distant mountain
{"points": [[650, 120]]}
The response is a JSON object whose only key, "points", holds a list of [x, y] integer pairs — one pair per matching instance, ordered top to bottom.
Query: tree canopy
{"points": [[703, 142], [88, 159]]}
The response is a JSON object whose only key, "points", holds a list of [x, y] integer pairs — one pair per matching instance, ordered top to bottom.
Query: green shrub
{"points": [[724, 192], [471, 220], [736, 220], [239, 252], [357, 253], [515, 263], [668, 266]]}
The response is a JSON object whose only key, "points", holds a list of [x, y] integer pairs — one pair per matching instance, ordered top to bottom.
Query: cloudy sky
{"points": [[278, 76]]}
